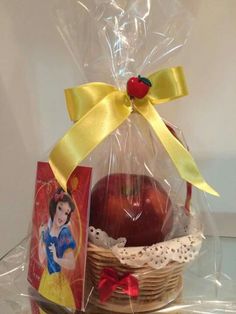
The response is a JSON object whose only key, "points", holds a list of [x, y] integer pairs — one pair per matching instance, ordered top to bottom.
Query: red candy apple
{"points": [[138, 87], [132, 206]]}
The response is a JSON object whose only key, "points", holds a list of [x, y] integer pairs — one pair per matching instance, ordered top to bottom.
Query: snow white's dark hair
{"points": [[60, 196]]}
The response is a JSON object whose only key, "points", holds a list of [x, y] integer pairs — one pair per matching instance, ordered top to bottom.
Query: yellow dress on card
{"points": [[54, 285], [56, 288]]}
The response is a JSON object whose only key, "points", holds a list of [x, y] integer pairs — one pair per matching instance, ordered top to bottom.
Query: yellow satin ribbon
{"points": [[98, 109]]}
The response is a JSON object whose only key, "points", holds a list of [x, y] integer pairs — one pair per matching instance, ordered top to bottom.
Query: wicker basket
{"points": [[157, 287]]}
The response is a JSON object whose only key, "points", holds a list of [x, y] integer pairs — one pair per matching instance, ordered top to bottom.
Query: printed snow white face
{"points": [[62, 212]]}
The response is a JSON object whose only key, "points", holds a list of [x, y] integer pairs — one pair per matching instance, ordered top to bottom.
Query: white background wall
{"points": [[35, 67]]}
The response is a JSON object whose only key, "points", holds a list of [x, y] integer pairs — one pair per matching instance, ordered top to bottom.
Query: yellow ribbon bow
{"points": [[98, 109]]}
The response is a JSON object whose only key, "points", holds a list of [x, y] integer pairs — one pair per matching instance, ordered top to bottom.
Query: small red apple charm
{"points": [[138, 87], [132, 206]]}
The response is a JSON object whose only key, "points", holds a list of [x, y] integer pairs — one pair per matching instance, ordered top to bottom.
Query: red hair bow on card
{"points": [[59, 196], [110, 280]]}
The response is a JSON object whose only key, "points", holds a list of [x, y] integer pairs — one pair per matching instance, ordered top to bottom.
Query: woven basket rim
{"points": [[94, 248]]}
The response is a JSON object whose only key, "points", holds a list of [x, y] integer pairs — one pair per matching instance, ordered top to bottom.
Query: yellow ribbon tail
{"points": [[87, 133], [181, 158]]}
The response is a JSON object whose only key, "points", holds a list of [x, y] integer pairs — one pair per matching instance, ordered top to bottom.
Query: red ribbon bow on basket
{"points": [[110, 280]]}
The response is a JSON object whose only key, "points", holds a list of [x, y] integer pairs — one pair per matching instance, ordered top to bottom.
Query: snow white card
{"points": [[59, 237]]}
